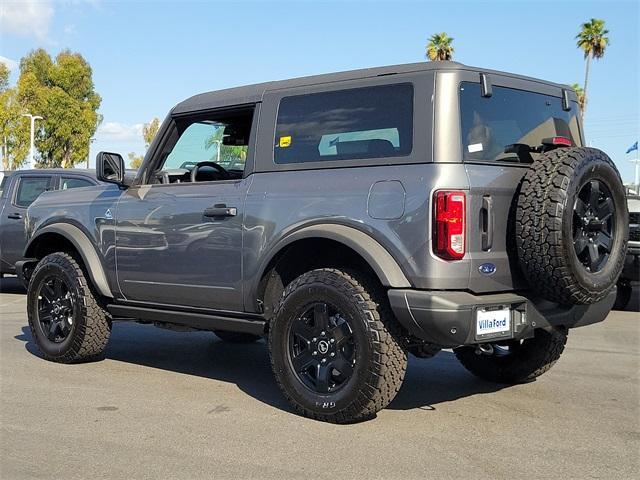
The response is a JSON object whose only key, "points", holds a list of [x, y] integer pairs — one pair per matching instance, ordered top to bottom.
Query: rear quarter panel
{"points": [[280, 203]]}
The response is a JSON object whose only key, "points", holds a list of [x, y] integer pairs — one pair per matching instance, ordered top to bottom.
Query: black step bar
{"points": [[201, 321]]}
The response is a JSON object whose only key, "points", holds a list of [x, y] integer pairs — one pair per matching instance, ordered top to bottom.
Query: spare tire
{"points": [[571, 225]]}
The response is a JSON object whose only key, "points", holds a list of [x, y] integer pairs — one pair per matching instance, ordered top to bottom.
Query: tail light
{"points": [[449, 233]]}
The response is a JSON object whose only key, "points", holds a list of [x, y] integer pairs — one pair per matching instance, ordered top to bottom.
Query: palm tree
{"points": [[592, 40], [439, 47], [580, 94]]}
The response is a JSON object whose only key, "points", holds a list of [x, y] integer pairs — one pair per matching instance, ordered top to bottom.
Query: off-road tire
{"points": [[543, 227], [92, 323], [236, 337], [533, 358], [381, 362]]}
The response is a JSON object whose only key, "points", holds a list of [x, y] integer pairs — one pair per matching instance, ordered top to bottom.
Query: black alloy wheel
{"points": [[593, 225], [56, 308], [67, 320], [321, 350], [336, 350]]}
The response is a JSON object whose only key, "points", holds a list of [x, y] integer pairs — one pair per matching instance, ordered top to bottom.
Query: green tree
{"points": [[593, 41], [440, 47], [4, 77], [61, 91], [579, 93], [14, 128], [149, 131], [228, 154], [135, 160]]}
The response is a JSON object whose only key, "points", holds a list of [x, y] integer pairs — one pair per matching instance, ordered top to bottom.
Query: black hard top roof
{"points": [[254, 93]]}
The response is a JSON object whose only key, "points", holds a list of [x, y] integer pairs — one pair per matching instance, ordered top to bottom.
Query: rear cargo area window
{"points": [[509, 117], [360, 123]]}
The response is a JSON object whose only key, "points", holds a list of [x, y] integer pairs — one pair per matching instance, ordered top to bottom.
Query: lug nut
{"points": [[322, 334], [314, 339], [333, 340], [314, 353], [332, 354], [324, 360]]}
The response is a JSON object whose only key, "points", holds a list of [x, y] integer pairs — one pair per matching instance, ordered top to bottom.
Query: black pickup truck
{"points": [[18, 190]]}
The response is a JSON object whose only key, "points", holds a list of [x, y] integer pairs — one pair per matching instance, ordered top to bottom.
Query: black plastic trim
{"points": [[485, 85], [566, 102], [446, 318], [202, 321]]}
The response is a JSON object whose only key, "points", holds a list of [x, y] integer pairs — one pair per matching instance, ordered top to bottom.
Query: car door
{"points": [[12, 235], [179, 242]]}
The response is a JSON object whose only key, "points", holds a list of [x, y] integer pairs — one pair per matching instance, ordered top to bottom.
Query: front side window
{"points": [[509, 116], [371, 122], [216, 147], [74, 182], [29, 189]]}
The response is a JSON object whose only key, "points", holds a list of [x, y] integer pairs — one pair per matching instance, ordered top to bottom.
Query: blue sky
{"points": [[147, 56]]}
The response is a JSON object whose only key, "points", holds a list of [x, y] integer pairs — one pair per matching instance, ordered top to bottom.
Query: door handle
{"points": [[220, 210], [15, 216], [486, 217]]}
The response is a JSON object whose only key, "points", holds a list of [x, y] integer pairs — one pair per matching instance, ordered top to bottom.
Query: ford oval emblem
{"points": [[487, 269]]}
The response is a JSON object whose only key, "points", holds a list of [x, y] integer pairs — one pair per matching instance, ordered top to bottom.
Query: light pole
{"points": [[33, 122], [91, 140], [218, 145], [636, 179]]}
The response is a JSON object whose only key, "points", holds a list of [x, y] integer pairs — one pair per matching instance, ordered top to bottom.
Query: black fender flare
{"points": [[85, 248], [379, 259]]}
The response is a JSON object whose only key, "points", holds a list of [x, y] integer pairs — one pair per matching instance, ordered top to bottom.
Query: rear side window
{"points": [[511, 116], [360, 123], [74, 182], [30, 188]]}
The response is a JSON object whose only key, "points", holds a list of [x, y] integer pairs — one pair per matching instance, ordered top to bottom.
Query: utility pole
{"points": [[32, 149]]}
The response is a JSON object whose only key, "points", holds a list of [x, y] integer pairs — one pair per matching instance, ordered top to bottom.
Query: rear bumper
{"points": [[447, 318]]}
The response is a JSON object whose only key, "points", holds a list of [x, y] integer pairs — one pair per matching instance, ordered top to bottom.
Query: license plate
{"points": [[493, 321]]}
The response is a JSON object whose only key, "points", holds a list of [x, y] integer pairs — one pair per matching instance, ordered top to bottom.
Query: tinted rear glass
{"points": [[511, 116], [371, 122], [74, 182], [29, 189]]}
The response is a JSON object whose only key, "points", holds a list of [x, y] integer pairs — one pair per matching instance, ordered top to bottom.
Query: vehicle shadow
{"points": [[11, 285], [634, 302], [428, 382]]}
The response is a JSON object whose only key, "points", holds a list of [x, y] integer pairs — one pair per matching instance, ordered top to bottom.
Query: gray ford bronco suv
{"points": [[352, 219]]}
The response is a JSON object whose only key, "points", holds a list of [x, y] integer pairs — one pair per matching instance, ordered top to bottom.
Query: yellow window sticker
{"points": [[285, 141]]}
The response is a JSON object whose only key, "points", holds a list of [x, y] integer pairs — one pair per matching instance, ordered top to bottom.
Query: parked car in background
{"points": [[18, 190], [631, 272]]}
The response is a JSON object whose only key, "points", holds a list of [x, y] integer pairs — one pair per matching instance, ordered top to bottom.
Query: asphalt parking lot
{"points": [[185, 405]]}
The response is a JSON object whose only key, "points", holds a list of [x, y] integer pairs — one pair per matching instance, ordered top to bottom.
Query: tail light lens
{"points": [[449, 234]]}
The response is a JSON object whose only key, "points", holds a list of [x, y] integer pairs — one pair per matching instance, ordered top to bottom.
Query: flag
{"points": [[633, 147]]}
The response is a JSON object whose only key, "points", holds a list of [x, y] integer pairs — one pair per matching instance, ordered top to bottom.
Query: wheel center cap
{"points": [[323, 346]]}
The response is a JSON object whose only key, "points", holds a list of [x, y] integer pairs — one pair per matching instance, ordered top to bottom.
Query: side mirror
{"points": [[110, 168]]}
